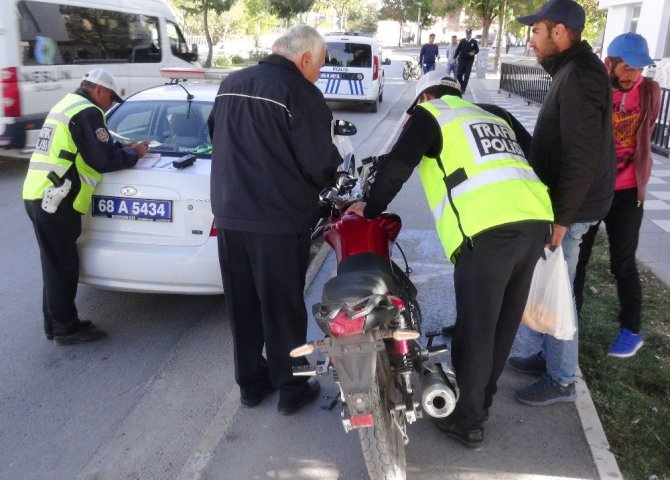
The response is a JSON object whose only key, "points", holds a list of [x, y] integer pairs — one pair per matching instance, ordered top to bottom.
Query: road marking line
{"points": [[201, 457]]}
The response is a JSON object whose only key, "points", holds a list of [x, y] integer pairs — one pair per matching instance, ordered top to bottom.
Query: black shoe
{"points": [[81, 323], [448, 331], [83, 335], [532, 365], [309, 394], [252, 400], [472, 438]]}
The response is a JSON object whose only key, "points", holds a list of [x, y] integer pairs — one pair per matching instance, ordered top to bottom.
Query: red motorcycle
{"points": [[372, 322]]}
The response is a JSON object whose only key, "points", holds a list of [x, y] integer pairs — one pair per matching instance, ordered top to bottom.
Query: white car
{"points": [[354, 70], [150, 228]]}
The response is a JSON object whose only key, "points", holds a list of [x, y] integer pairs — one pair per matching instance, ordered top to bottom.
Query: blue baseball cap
{"points": [[568, 12], [632, 49]]}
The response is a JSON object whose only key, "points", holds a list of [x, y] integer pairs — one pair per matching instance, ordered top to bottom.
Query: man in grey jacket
{"points": [[573, 154]]}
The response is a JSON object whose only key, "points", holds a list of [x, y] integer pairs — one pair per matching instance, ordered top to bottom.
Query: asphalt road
{"points": [[147, 401]]}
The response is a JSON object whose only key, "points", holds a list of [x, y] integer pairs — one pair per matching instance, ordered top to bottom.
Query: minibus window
{"points": [[53, 34]]}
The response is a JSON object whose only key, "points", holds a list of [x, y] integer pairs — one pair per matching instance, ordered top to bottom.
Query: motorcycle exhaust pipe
{"points": [[439, 392]]}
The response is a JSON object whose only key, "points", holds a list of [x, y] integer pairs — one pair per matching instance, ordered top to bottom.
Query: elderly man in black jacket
{"points": [[272, 154], [573, 154]]}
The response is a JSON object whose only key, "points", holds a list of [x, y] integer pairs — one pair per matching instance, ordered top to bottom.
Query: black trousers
{"points": [[463, 73], [622, 224], [57, 235], [491, 281], [263, 282]]}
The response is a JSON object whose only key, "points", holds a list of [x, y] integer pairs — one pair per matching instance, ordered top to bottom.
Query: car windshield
{"points": [[176, 126]]}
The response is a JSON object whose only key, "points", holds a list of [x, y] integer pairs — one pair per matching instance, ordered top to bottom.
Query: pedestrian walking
{"points": [[465, 52], [429, 54], [452, 60], [636, 104], [73, 150], [572, 153], [272, 154]]}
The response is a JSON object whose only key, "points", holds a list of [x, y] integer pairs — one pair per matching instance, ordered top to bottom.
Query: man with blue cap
{"points": [[636, 103], [573, 154]]}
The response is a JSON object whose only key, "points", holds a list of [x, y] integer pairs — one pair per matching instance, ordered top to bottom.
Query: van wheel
{"points": [[381, 97], [374, 106]]}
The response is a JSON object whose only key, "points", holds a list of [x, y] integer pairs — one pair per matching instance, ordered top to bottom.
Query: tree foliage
{"points": [[203, 9], [287, 9]]}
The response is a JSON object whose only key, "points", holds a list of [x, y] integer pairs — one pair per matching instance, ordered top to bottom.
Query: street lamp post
{"points": [[418, 25]]}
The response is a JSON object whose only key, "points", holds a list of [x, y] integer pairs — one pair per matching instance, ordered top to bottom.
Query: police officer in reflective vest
{"points": [[73, 150], [492, 215]]}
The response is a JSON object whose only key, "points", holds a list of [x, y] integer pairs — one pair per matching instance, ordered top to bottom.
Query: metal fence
{"points": [[529, 83], [532, 84], [660, 140]]}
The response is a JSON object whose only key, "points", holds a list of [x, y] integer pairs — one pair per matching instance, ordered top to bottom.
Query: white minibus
{"points": [[48, 45]]}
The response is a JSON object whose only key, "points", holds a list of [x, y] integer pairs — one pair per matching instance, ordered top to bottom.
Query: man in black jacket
{"points": [[465, 52], [272, 154], [573, 154]]}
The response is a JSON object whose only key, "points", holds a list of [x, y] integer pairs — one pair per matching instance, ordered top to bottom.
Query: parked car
{"points": [[353, 71], [151, 227]]}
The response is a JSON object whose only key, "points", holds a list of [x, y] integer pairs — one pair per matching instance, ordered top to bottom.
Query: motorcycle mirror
{"points": [[344, 128]]}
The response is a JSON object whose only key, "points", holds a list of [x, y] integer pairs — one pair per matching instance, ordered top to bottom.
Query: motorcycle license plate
{"points": [[132, 208]]}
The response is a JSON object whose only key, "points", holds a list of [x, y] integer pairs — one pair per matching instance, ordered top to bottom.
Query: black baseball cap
{"points": [[568, 12]]}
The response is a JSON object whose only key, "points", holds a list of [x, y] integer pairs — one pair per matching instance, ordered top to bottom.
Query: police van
{"points": [[48, 45], [353, 71]]}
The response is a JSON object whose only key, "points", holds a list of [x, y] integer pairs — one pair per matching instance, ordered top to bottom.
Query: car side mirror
{"points": [[194, 49], [387, 61], [344, 128]]}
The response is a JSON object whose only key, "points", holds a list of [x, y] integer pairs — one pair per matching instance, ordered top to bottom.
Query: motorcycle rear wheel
{"points": [[382, 444]]}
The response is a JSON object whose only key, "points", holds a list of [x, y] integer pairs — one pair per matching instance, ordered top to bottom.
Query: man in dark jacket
{"points": [[465, 52], [429, 54], [272, 154], [573, 154]]}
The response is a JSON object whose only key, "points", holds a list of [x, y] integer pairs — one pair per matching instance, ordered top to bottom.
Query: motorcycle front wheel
{"points": [[405, 73], [382, 444]]}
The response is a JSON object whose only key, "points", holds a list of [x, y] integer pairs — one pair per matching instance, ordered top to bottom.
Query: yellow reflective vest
{"points": [[56, 151], [481, 178]]}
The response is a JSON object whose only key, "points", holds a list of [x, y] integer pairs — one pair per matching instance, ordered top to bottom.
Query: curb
{"points": [[603, 458]]}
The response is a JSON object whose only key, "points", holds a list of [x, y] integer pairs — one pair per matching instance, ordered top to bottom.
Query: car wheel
{"points": [[381, 96], [374, 106]]}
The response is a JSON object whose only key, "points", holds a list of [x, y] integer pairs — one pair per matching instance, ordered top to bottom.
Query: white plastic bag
{"points": [[550, 307]]}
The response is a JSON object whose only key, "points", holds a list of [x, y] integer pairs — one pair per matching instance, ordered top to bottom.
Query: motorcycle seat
{"points": [[362, 275]]}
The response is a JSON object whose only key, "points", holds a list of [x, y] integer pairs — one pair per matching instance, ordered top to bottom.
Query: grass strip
{"points": [[631, 395]]}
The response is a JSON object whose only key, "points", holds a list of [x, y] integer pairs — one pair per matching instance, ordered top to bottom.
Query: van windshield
{"points": [[344, 54]]}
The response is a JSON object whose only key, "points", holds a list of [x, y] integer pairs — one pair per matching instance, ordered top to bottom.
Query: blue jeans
{"points": [[428, 67], [451, 69], [562, 355]]}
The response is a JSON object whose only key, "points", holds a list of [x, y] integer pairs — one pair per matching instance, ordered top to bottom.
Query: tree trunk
{"points": [[208, 61], [496, 62]]}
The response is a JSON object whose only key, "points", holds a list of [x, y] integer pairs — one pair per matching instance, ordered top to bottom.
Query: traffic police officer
{"points": [[73, 150], [492, 215]]}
